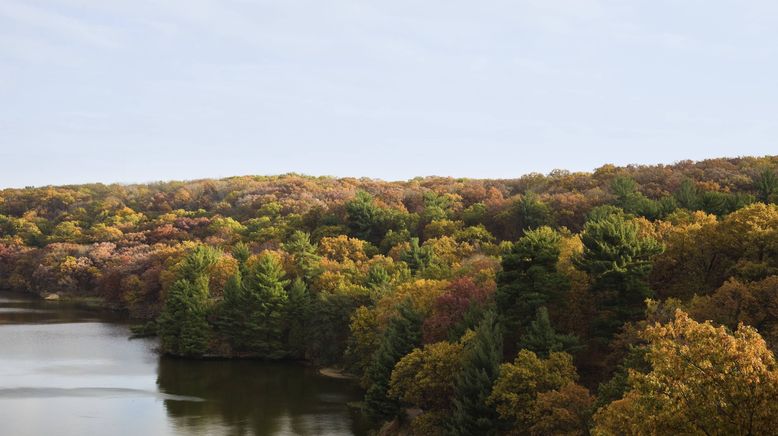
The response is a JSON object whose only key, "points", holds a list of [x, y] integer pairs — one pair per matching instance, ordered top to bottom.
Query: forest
{"points": [[628, 300]]}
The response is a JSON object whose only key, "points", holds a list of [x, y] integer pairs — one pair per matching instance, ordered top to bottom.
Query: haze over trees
{"points": [[630, 300]]}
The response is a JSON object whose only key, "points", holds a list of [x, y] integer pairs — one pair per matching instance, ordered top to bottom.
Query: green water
{"points": [[70, 371]]}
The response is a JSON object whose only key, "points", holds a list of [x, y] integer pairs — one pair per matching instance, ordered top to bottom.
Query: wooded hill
{"points": [[567, 303]]}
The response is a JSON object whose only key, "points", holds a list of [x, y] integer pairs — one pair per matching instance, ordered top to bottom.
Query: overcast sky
{"points": [[135, 90]]}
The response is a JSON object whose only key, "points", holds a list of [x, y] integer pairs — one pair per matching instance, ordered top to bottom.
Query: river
{"points": [[66, 370]]}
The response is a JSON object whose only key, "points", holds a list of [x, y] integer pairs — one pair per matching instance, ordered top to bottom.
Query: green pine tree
{"points": [[766, 184], [688, 195], [632, 201], [366, 220], [417, 257], [618, 259], [307, 262], [529, 280], [265, 302], [231, 313], [252, 313], [297, 315], [182, 326], [402, 335], [541, 338], [472, 386]]}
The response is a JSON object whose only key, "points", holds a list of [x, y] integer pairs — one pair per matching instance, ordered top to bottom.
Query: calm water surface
{"points": [[70, 371]]}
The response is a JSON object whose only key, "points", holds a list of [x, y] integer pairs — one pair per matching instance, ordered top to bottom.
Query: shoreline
{"points": [[336, 374]]}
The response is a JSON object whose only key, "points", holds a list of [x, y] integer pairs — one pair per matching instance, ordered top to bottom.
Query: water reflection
{"points": [[67, 370], [251, 397]]}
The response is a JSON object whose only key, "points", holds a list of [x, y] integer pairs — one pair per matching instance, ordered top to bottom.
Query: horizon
{"points": [[293, 173]]}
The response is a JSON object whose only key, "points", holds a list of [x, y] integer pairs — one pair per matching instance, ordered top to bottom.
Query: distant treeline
{"points": [[630, 300]]}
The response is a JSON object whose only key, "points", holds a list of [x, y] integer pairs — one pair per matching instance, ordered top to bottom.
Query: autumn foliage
{"points": [[463, 306]]}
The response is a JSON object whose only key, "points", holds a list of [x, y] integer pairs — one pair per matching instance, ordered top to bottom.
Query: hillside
{"points": [[502, 303]]}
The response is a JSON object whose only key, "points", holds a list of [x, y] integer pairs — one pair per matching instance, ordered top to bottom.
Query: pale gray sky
{"points": [[137, 90]]}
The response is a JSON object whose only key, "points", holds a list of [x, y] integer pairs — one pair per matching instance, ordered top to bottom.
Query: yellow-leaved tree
{"points": [[704, 381]]}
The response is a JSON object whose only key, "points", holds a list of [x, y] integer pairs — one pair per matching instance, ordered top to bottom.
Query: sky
{"points": [[140, 90]]}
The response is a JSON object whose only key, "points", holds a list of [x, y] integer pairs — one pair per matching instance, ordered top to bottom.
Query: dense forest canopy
{"points": [[629, 300]]}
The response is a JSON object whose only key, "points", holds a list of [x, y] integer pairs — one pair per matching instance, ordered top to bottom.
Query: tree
{"points": [[766, 184], [688, 195], [633, 201], [436, 207], [526, 212], [533, 213], [366, 220], [442, 227], [226, 228], [66, 231], [29, 232], [749, 238], [343, 249], [703, 252], [241, 253], [418, 258], [618, 260], [306, 261], [693, 261], [529, 280], [751, 303], [450, 309], [252, 313], [297, 314], [330, 318], [182, 326], [401, 336], [542, 339], [363, 341], [480, 368], [424, 378], [703, 381], [517, 394], [566, 411]]}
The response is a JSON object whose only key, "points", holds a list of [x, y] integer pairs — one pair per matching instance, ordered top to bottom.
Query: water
{"points": [[70, 371]]}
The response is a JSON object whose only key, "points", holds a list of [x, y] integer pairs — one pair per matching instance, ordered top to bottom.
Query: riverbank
{"points": [[91, 301]]}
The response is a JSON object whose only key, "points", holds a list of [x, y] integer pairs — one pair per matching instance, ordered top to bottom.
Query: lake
{"points": [[67, 370]]}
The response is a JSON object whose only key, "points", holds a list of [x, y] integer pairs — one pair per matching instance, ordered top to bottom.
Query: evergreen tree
{"points": [[766, 183], [688, 195], [631, 200], [601, 212], [533, 213], [366, 220], [241, 253], [417, 257], [618, 259], [306, 261], [198, 262], [377, 277], [529, 280], [266, 303], [231, 313], [252, 313], [297, 315], [328, 324], [182, 326], [402, 335], [542, 339], [473, 385]]}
